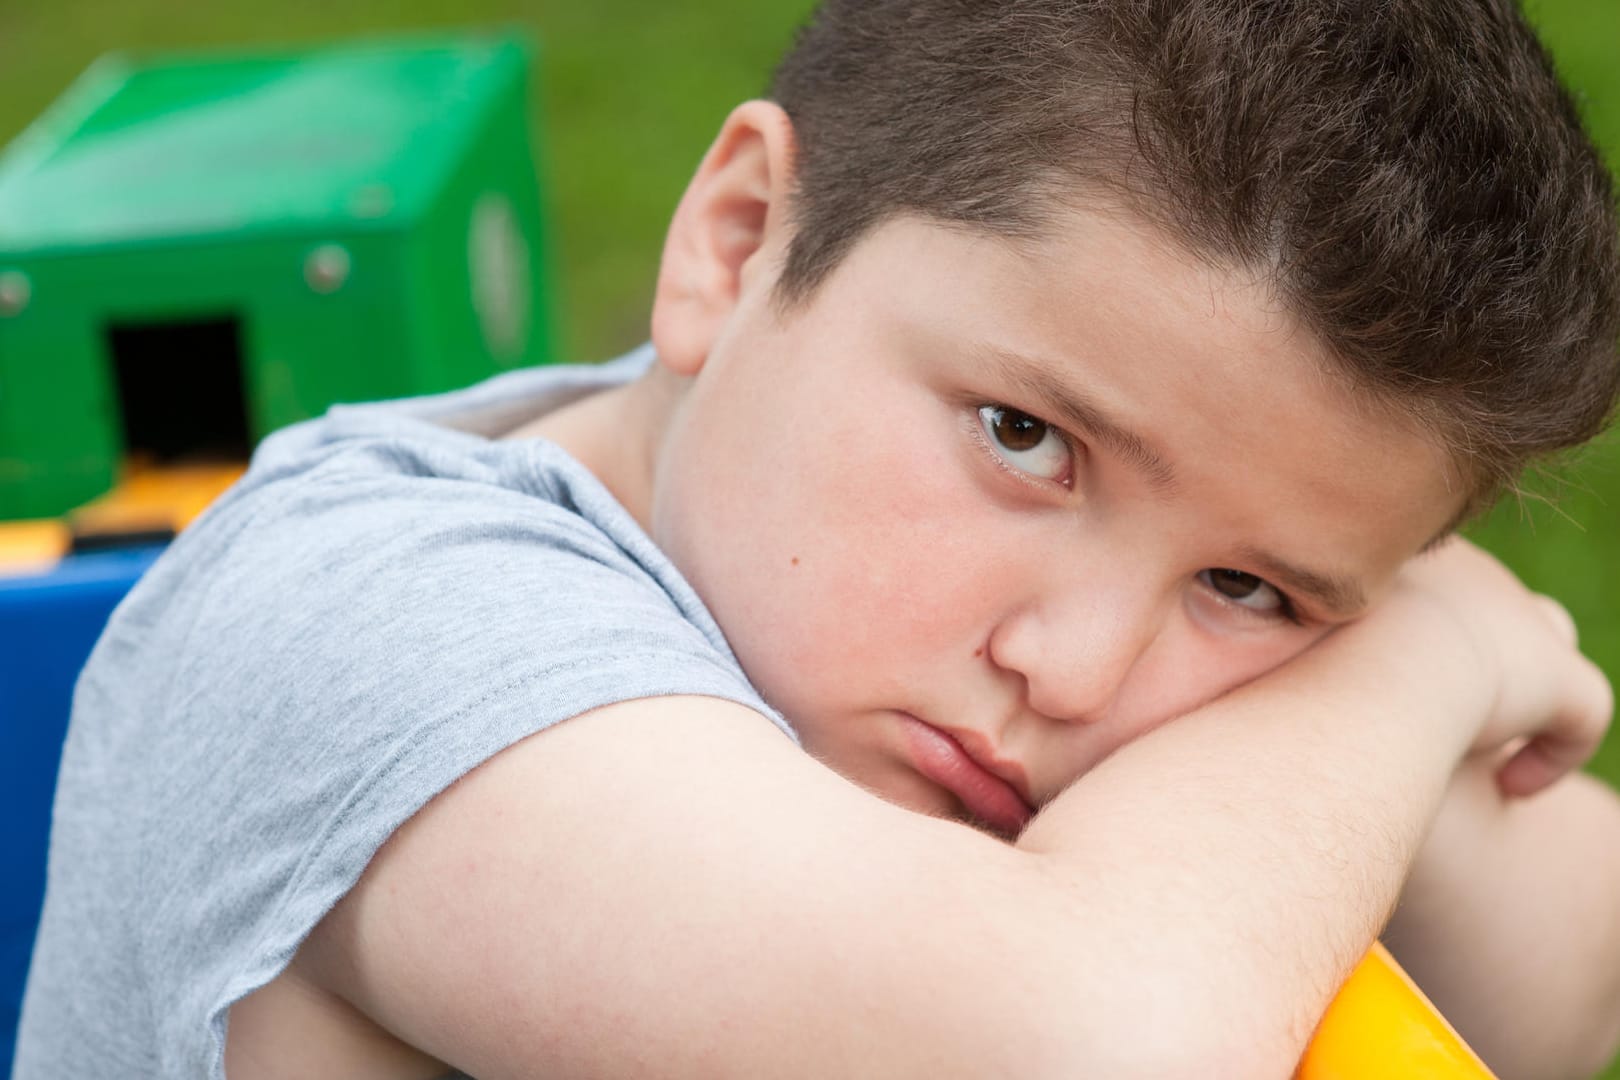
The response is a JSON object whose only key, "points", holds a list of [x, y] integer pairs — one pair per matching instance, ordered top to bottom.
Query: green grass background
{"points": [[628, 94]]}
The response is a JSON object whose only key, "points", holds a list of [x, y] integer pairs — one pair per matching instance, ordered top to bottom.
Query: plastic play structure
{"points": [[197, 250], [1380, 1025]]}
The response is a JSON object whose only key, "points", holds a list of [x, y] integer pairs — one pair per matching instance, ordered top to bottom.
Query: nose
{"points": [[1075, 651]]}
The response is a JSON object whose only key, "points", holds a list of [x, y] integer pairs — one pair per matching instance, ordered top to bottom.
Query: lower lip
{"points": [[985, 796]]}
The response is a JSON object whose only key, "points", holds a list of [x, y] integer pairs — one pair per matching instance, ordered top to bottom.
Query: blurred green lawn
{"points": [[627, 96]]}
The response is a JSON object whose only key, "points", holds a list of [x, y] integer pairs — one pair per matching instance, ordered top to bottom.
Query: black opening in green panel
{"points": [[180, 389]]}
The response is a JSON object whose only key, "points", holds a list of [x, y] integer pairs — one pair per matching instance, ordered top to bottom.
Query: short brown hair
{"points": [[1410, 174]]}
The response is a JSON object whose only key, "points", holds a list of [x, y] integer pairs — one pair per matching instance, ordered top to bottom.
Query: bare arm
{"points": [[669, 886], [660, 914], [1509, 924]]}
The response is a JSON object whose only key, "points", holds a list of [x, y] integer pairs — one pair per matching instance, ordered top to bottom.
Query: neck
{"points": [[617, 435]]}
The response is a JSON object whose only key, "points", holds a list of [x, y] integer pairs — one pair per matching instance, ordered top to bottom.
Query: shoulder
{"points": [[508, 562], [409, 595], [318, 660]]}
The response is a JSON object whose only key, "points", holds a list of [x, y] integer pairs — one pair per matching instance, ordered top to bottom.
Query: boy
{"points": [[1047, 400]]}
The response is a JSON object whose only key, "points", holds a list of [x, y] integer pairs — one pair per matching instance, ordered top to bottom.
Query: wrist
{"points": [[1421, 655]]}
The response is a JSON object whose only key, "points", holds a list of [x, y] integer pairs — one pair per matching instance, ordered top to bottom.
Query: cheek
{"points": [[841, 562], [1190, 665]]}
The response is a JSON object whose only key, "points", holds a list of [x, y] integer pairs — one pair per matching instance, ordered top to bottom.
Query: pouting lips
{"points": [[943, 760]]}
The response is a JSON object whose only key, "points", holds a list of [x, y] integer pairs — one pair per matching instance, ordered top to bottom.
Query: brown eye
{"points": [[1015, 430], [1027, 443], [1234, 583], [1245, 590]]}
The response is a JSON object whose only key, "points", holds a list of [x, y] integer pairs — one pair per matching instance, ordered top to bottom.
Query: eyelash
{"points": [[1070, 443], [1285, 604], [1286, 609]]}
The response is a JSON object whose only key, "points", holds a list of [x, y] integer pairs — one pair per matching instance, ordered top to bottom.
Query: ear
{"points": [[729, 227]]}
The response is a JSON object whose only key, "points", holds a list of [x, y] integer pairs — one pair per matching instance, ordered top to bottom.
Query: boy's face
{"points": [[1038, 498]]}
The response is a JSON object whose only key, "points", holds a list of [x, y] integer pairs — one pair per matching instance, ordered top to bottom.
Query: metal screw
{"points": [[327, 268], [15, 292]]}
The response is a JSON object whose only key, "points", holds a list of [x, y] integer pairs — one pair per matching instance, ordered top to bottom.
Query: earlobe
{"points": [[729, 227]]}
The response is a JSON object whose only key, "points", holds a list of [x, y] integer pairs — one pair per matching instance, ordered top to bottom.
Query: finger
{"points": [[1560, 618], [1567, 744], [1536, 767]]}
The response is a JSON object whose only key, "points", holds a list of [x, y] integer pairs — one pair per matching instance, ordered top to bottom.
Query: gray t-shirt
{"points": [[385, 601]]}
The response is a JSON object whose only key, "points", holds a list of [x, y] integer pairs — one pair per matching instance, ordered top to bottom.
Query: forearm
{"points": [[1264, 838], [1509, 924], [845, 935]]}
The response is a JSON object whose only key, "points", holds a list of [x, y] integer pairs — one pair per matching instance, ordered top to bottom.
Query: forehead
{"points": [[1192, 374]]}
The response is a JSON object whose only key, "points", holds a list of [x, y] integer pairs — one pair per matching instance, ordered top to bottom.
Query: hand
{"points": [[1547, 706]]}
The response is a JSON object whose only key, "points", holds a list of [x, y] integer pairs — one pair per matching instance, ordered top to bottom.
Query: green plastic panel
{"points": [[211, 146], [365, 220]]}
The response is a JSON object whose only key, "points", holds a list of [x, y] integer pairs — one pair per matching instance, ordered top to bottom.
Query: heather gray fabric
{"points": [[385, 601]]}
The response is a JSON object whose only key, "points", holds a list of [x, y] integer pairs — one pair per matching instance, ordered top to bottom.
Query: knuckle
{"points": [[1559, 617], [1603, 699], [1593, 700]]}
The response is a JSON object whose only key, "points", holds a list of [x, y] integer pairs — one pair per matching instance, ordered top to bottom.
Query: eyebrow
{"points": [[1077, 411], [1340, 595]]}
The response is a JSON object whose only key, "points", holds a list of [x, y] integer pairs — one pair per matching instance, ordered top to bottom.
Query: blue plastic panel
{"points": [[48, 624]]}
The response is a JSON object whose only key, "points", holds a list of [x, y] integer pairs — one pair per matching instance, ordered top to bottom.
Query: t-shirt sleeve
{"points": [[360, 642]]}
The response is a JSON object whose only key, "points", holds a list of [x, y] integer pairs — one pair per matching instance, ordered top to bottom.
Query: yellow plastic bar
{"points": [[148, 498], [33, 546], [1381, 1027]]}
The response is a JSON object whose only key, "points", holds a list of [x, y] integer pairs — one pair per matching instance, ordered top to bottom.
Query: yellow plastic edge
{"points": [[147, 498], [1382, 1027]]}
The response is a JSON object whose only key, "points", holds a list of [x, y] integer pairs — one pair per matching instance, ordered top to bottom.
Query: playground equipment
{"points": [[199, 250], [195, 251], [1381, 1027]]}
